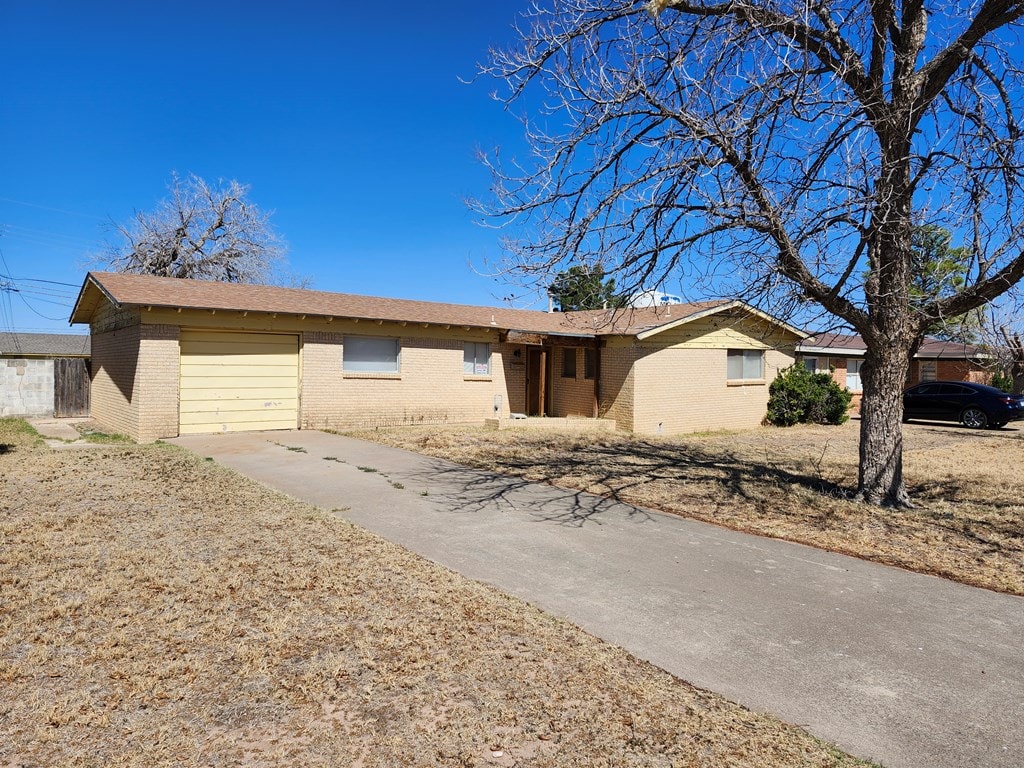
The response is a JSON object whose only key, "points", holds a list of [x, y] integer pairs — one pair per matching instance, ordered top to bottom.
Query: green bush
{"points": [[1002, 380], [798, 396]]}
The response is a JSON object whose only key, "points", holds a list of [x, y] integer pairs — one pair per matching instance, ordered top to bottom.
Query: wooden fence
{"points": [[70, 387]]}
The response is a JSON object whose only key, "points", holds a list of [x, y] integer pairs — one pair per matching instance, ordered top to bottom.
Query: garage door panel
{"points": [[228, 350], [229, 360], [252, 376], [234, 381], [253, 394], [202, 408], [234, 417], [239, 425]]}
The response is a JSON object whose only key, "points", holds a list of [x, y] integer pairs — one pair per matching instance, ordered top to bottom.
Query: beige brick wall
{"points": [[109, 318], [158, 375], [135, 381], [617, 384], [430, 388], [685, 390], [570, 396], [114, 403]]}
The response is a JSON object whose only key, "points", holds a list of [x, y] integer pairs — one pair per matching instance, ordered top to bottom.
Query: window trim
{"points": [[744, 355], [474, 364], [387, 372], [858, 385]]}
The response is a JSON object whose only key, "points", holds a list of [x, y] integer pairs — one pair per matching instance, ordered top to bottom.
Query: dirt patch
{"points": [[787, 483], [158, 610]]}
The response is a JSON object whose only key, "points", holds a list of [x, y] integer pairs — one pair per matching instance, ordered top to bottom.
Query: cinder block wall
{"points": [[26, 387], [430, 388], [685, 390]]}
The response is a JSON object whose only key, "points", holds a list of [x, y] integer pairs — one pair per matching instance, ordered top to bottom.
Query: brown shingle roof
{"points": [[145, 290]]}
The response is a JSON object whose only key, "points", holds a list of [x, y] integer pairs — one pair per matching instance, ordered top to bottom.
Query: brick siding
{"points": [[430, 388], [685, 390]]}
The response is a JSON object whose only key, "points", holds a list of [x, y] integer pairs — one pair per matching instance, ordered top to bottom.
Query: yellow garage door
{"points": [[233, 382]]}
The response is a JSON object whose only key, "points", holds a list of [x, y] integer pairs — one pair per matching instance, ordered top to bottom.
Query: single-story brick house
{"points": [[843, 354], [172, 356], [41, 374]]}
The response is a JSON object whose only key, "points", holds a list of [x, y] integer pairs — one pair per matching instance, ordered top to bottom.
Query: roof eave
{"points": [[736, 303]]}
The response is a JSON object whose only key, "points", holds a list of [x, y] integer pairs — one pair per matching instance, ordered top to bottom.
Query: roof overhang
{"points": [[88, 300], [729, 306]]}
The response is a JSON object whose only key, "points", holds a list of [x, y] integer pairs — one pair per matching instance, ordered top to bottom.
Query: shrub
{"points": [[1002, 380], [798, 396]]}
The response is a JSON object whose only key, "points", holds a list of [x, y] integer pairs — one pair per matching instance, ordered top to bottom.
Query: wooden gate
{"points": [[70, 387]]}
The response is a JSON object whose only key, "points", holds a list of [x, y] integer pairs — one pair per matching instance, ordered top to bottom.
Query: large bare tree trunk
{"points": [[883, 377]]}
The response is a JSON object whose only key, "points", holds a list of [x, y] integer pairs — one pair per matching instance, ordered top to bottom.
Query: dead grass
{"points": [[788, 483], [158, 610]]}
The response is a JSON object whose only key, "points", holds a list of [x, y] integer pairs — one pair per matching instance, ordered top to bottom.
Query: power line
{"points": [[37, 280], [36, 311]]}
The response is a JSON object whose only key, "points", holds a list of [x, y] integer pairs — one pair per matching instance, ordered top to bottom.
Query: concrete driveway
{"points": [[904, 669]]}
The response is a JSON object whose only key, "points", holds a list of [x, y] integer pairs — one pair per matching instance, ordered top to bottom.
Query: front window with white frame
{"points": [[370, 354], [476, 358], [745, 365], [853, 365]]}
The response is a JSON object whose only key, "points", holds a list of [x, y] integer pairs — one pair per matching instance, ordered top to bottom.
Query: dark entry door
{"points": [[536, 363]]}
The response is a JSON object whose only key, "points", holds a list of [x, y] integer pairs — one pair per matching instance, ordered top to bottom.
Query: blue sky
{"points": [[349, 121]]}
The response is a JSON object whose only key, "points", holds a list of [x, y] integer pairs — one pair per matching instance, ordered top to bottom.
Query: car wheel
{"points": [[974, 418]]}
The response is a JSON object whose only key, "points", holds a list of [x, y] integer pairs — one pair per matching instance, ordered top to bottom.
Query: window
{"points": [[369, 354], [476, 359], [568, 363], [589, 363], [811, 364], [745, 365], [927, 371], [853, 374]]}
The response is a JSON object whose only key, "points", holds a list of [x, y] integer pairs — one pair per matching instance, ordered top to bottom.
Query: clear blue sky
{"points": [[349, 121]]}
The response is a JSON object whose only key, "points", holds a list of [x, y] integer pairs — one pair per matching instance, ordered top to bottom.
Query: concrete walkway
{"points": [[60, 433], [904, 669]]}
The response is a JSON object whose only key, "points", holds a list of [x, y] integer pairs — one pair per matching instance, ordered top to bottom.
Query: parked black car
{"points": [[973, 405]]}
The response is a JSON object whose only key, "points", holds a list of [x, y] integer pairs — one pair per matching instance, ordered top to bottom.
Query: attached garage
{"points": [[232, 382]]}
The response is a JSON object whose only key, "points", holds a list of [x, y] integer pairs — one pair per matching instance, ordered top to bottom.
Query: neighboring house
{"points": [[173, 356], [935, 360], [43, 374]]}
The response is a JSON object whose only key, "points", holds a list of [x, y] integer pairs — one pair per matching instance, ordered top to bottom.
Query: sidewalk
{"points": [[898, 667]]}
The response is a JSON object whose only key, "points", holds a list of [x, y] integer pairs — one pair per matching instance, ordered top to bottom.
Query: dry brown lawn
{"points": [[789, 483], [157, 610]]}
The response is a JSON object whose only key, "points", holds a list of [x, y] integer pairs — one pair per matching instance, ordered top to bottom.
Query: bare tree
{"points": [[783, 150], [201, 232]]}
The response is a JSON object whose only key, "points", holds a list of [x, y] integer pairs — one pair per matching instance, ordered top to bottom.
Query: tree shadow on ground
{"points": [[613, 475], [477, 490]]}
